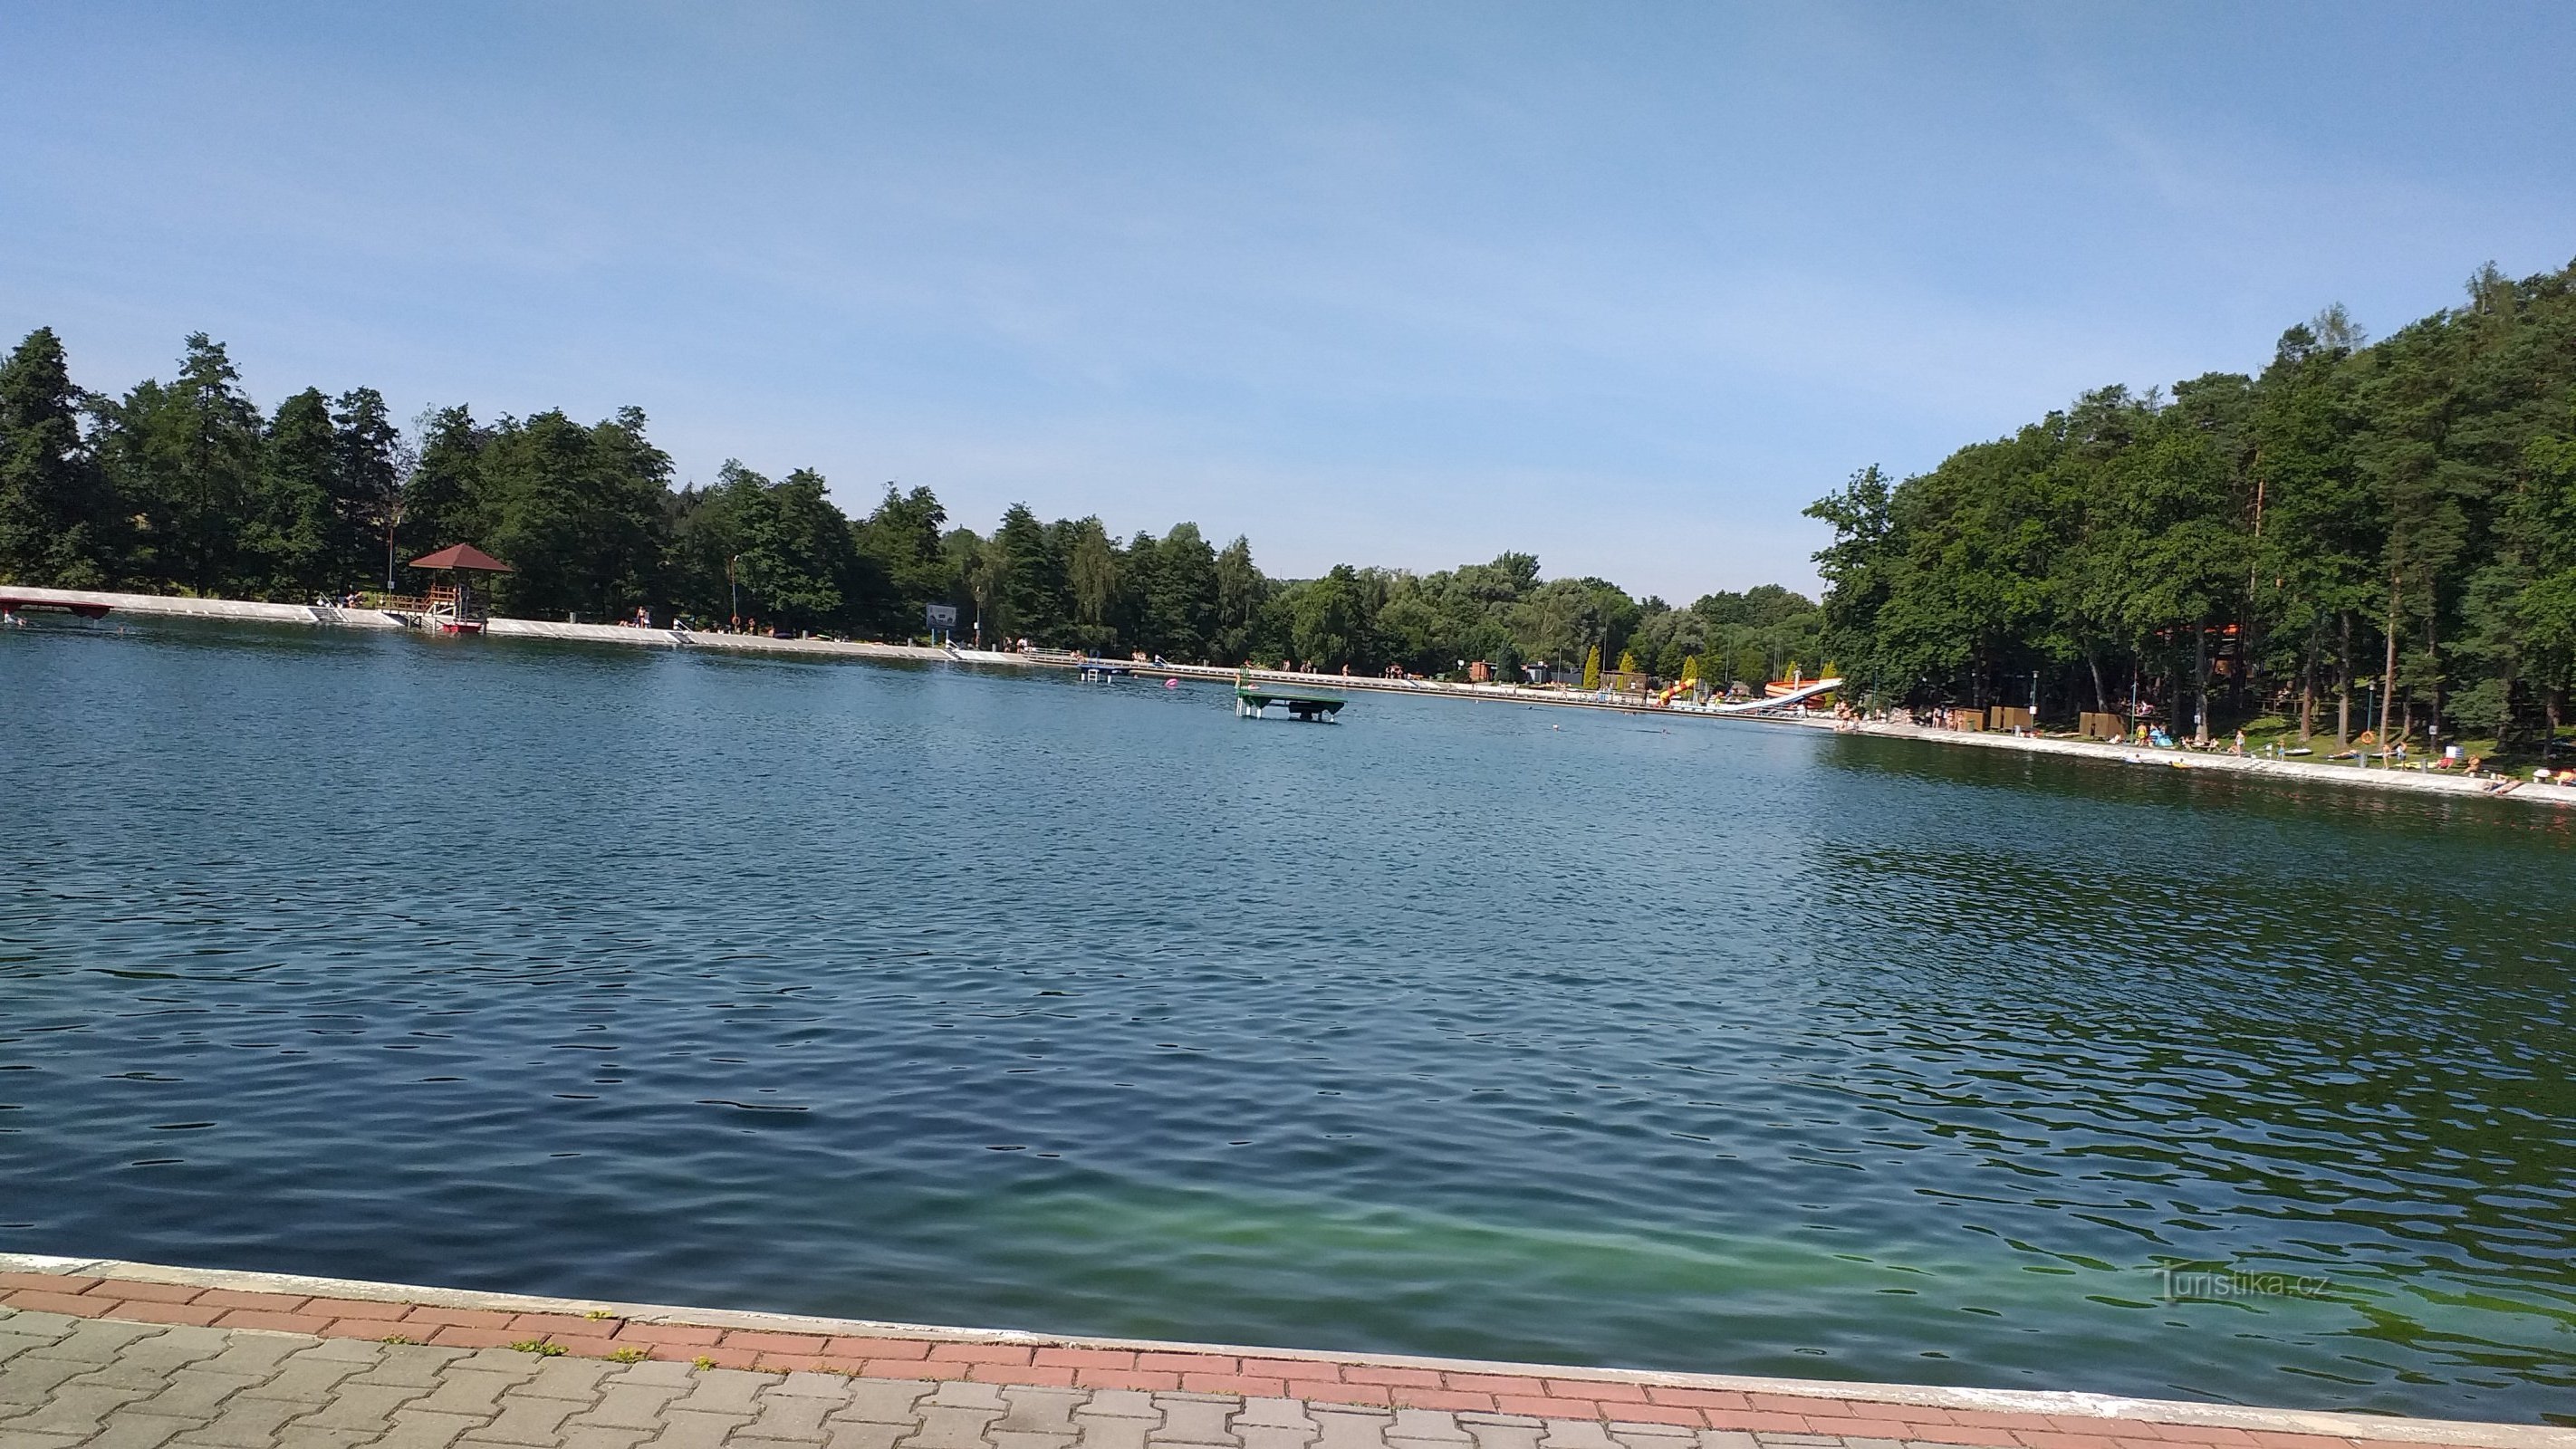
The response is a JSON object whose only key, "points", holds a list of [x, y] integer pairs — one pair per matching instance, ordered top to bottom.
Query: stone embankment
{"points": [[150, 1357]]}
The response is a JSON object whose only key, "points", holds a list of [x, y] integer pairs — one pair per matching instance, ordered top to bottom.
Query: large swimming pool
{"points": [[936, 995]]}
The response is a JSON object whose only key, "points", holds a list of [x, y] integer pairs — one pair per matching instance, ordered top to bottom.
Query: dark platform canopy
{"points": [[461, 556]]}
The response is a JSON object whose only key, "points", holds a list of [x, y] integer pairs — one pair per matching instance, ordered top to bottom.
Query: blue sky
{"points": [[1623, 285]]}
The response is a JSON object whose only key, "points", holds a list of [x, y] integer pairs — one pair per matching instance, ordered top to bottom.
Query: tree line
{"points": [[189, 487], [2361, 536]]}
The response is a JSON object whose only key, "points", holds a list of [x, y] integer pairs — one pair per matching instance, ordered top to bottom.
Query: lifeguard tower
{"points": [[452, 607]]}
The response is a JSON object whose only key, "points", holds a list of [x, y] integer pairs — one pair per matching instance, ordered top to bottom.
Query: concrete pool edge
{"points": [[777, 1342]]}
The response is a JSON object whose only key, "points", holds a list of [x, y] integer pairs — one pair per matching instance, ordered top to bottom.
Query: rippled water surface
{"points": [[1473, 1029]]}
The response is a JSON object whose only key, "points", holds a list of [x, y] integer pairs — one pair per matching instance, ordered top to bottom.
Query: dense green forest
{"points": [[187, 486], [2385, 529], [2363, 535]]}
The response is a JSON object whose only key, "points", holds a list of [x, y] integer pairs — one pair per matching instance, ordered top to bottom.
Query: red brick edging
{"points": [[1019, 1359]]}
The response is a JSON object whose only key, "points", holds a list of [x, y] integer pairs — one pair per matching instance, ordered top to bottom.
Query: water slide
{"points": [[1793, 698]]}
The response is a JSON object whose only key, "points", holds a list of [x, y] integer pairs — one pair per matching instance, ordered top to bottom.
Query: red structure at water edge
{"points": [[453, 608]]}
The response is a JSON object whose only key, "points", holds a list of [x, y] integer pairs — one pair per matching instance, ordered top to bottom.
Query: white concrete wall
{"points": [[240, 609]]}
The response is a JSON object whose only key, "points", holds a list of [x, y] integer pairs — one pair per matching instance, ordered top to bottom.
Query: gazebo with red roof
{"points": [[452, 607]]}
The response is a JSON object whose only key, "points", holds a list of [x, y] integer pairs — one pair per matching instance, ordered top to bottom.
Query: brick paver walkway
{"points": [[140, 1363]]}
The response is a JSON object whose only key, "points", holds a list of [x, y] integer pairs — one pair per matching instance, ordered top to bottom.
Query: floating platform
{"points": [[1253, 703]]}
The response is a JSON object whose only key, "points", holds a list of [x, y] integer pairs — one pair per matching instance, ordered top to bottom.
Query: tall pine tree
{"points": [[57, 523]]}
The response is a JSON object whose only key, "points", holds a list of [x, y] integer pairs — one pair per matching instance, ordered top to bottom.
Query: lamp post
{"points": [[734, 584]]}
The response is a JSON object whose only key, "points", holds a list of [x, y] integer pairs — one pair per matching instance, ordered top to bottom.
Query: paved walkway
{"points": [[134, 1356]]}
